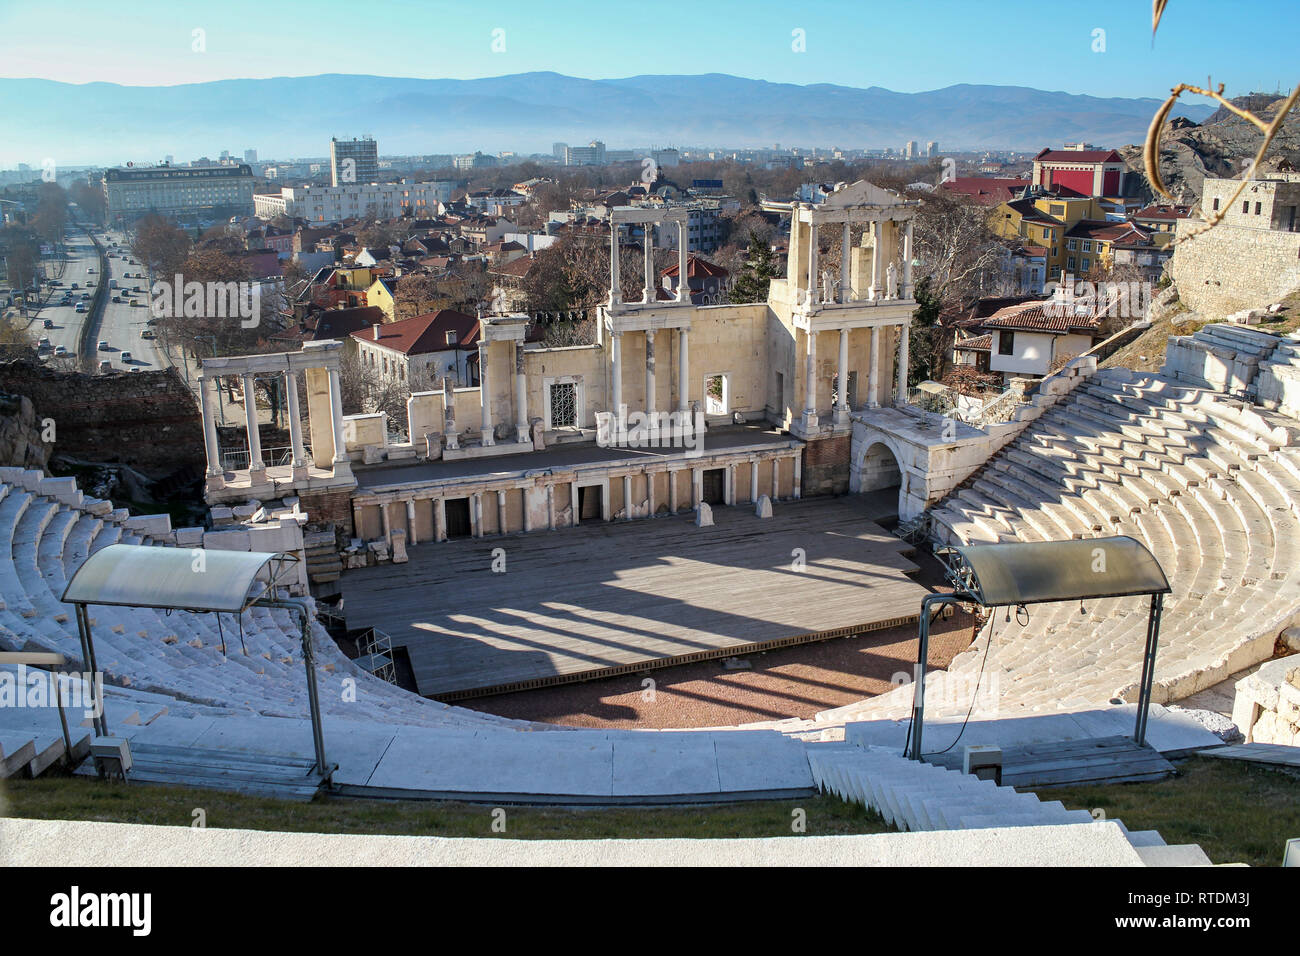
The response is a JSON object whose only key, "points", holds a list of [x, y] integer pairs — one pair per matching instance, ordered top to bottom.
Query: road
{"points": [[67, 321], [121, 324]]}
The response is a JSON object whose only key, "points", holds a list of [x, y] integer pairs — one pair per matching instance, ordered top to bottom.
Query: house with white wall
{"points": [[1027, 338], [432, 346]]}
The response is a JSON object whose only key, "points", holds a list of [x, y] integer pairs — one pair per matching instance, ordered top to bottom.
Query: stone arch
{"points": [[876, 466]]}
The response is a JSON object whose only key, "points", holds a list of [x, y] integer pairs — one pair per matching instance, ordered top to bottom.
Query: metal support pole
{"points": [[1148, 668], [313, 694], [100, 721], [913, 748]]}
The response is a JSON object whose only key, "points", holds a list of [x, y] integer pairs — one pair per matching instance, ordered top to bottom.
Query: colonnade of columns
{"points": [[843, 291], [651, 383], [210, 390], [874, 399], [486, 425], [477, 507]]}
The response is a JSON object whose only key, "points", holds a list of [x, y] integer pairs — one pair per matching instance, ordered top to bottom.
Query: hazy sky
{"points": [[905, 45]]}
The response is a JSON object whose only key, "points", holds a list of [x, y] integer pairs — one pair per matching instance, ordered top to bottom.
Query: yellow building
{"points": [[1044, 221]]}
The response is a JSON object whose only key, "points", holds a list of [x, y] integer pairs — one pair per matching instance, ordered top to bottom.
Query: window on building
{"points": [[1216, 203], [1245, 207], [1258, 207], [1071, 244], [1087, 246], [1069, 263], [1086, 263], [1006, 343], [715, 395], [564, 405]]}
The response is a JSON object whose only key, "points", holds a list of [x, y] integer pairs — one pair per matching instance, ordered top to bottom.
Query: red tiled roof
{"points": [[1050, 155], [986, 190], [1163, 212], [1105, 231], [697, 267], [1044, 316], [425, 333], [978, 343]]}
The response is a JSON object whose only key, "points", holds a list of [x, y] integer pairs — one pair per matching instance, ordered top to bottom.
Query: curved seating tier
{"points": [[1210, 485]]}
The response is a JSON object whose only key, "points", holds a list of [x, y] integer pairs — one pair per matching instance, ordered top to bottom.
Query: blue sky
{"points": [[905, 45]]}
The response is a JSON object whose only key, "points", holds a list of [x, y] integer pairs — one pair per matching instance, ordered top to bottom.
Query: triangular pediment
{"points": [[862, 193]]}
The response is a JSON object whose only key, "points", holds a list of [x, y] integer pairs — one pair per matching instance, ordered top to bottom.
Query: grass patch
{"points": [[77, 798], [1238, 812]]}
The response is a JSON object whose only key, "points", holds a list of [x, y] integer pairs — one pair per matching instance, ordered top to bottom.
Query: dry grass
{"points": [[77, 798], [1237, 812]]}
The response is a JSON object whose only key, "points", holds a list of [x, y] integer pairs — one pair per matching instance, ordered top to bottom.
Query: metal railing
{"points": [[236, 459], [375, 654]]}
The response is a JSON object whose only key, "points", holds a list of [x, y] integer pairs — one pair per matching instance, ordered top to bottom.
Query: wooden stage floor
{"points": [[604, 599]]}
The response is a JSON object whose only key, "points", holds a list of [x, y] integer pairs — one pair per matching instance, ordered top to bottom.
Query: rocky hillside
{"points": [[1218, 146]]}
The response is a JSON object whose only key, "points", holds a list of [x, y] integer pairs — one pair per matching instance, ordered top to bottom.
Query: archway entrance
{"points": [[880, 482]]}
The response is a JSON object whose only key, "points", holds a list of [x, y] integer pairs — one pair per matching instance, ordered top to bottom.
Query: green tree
{"points": [[760, 269]]}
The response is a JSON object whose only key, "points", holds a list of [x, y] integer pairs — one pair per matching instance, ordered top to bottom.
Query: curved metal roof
{"points": [[1035, 572], [174, 578]]}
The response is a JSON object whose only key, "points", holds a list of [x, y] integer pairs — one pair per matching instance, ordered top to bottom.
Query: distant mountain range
{"points": [[285, 117]]}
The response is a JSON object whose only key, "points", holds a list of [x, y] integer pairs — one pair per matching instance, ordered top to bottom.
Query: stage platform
{"points": [[612, 598]]}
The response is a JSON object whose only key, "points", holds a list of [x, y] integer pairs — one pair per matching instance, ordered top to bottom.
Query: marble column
{"points": [[648, 243], [683, 258], [907, 260], [877, 262], [615, 282], [845, 287], [814, 296], [903, 359], [873, 370], [683, 371], [616, 378], [810, 380], [650, 389], [484, 396], [521, 396], [842, 403], [295, 425], [341, 463], [256, 467], [798, 476], [215, 478], [753, 481], [672, 491], [627, 497], [573, 500], [550, 507], [477, 512], [501, 512], [439, 519], [385, 522], [411, 537]]}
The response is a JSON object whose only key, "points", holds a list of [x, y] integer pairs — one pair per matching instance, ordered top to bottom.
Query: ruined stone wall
{"points": [[1231, 268], [148, 420], [20, 433], [826, 466]]}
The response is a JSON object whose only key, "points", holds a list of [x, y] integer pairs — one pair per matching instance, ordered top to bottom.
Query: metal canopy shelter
{"points": [[1018, 574], [195, 580]]}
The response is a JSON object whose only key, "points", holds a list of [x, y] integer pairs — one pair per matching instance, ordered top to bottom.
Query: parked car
{"points": [[43, 345], [103, 345], [61, 351], [105, 366]]}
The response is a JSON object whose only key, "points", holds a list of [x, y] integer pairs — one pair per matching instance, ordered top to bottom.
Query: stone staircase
{"points": [[917, 796]]}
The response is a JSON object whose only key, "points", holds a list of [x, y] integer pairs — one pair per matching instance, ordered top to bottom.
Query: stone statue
{"points": [[891, 282]]}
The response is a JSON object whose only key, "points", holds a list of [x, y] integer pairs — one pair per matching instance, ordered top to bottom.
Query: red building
{"points": [[1080, 172]]}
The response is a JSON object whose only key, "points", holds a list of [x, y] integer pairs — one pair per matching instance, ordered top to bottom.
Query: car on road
{"points": [[90, 269], [112, 283], [73, 286], [117, 298], [135, 303], [81, 307], [47, 324], [148, 334], [43, 345], [103, 345], [61, 351], [125, 357], [106, 366]]}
